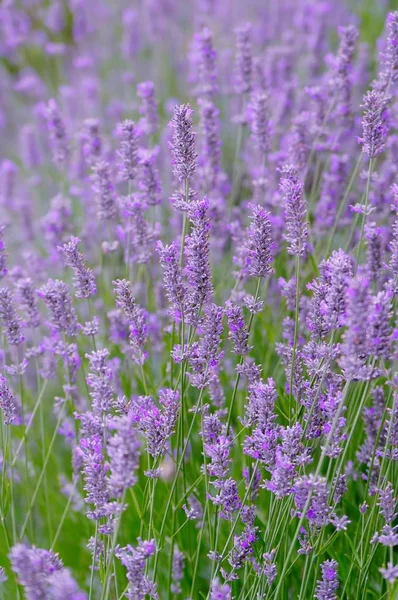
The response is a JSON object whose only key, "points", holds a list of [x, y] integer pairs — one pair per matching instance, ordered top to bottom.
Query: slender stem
{"points": [[365, 213], [296, 327], [237, 378], [41, 476], [64, 514], [93, 561]]}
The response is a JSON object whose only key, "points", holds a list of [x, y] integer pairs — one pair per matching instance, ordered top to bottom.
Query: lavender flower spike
{"points": [[204, 58], [389, 58], [244, 59], [341, 80], [148, 108], [260, 124], [374, 127], [57, 132], [183, 143], [128, 153], [210, 155], [104, 191], [295, 210], [259, 245], [197, 251], [3, 255], [84, 280], [173, 283], [57, 298], [136, 317], [9, 319], [238, 332], [7, 402], [123, 451], [134, 560], [34, 567], [390, 573], [327, 586], [220, 591]]}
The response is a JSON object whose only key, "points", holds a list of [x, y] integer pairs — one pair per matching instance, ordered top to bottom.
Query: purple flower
{"points": [[389, 58], [243, 59], [204, 63], [341, 79], [148, 108], [260, 124], [374, 126], [57, 133], [92, 141], [183, 143], [300, 144], [210, 147], [30, 148], [128, 153], [8, 175], [148, 181], [332, 190], [104, 191], [295, 210], [57, 222], [138, 232], [259, 243], [197, 250], [374, 251], [3, 254], [393, 264], [336, 272], [84, 280], [173, 283], [57, 298], [27, 300], [136, 317], [9, 319], [379, 331], [238, 333], [355, 339], [205, 355], [99, 381], [7, 402], [260, 408], [372, 418], [157, 422], [212, 428], [333, 429], [123, 451], [219, 452], [95, 476], [227, 498], [387, 503], [194, 510], [318, 511], [341, 523], [388, 537], [243, 550], [134, 559], [34, 568], [270, 569], [177, 573], [390, 573], [62, 586], [326, 587], [220, 591]]}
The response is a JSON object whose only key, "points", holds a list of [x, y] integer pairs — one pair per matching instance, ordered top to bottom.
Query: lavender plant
{"points": [[198, 279]]}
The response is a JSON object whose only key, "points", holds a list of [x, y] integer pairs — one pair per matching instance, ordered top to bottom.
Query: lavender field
{"points": [[198, 328]]}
